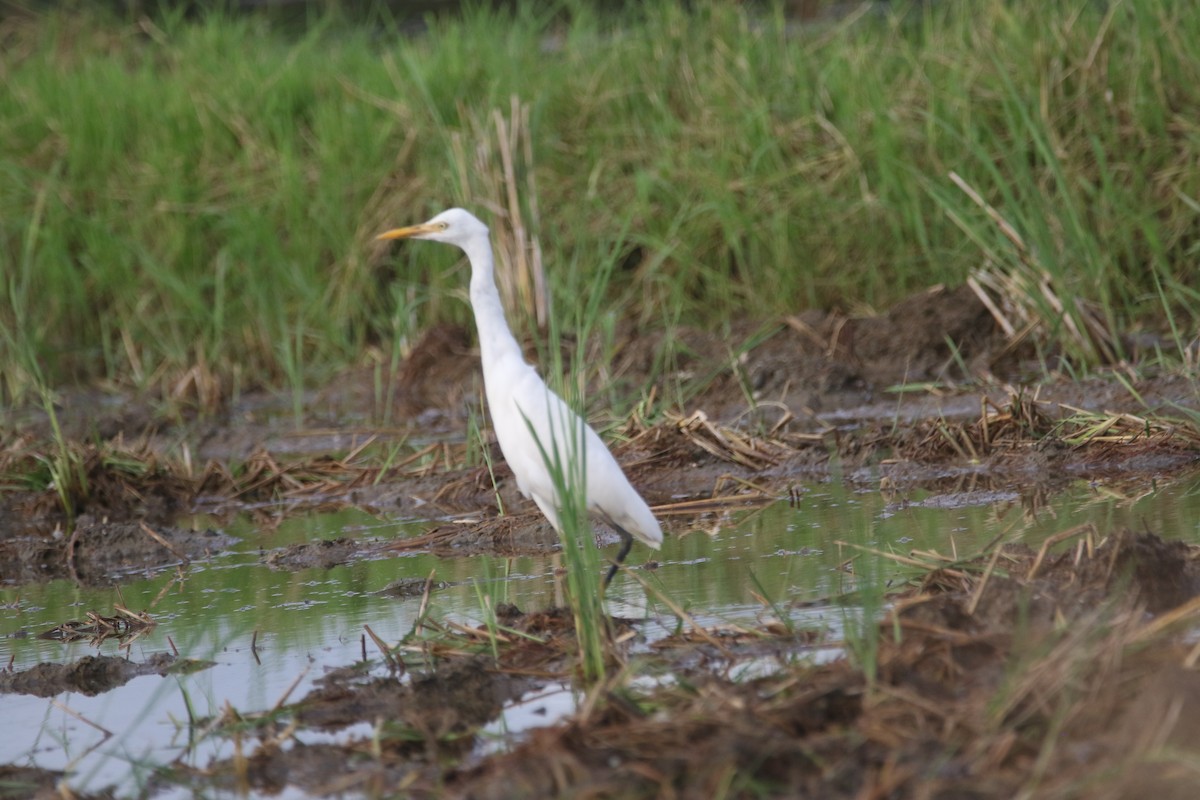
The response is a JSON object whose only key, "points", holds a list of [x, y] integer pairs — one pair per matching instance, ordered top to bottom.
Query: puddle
{"points": [[271, 633]]}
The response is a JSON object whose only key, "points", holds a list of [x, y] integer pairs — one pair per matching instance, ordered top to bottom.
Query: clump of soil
{"points": [[818, 361], [102, 481], [513, 534], [322, 554], [412, 587], [90, 675], [461, 695], [423, 724], [29, 782]]}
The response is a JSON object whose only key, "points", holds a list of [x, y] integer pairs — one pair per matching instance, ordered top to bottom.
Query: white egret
{"points": [[533, 425]]}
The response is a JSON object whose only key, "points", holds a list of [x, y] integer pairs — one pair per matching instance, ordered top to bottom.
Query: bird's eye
{"points": [[443, 225]]}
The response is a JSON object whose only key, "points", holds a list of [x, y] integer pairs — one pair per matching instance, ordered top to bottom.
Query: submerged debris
{"points": [[412, 587], [125, 625]]}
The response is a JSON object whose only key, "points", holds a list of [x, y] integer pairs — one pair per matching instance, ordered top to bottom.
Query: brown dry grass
{"points": [[685, 465]]}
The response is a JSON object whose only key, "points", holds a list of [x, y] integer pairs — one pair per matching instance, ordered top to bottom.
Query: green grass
{"points": [[180, 192], [566, 464]]}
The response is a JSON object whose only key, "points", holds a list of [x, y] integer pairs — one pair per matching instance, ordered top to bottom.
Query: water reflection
{"points": [[791, 559]]}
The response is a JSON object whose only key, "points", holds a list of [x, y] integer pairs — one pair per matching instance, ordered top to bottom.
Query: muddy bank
{"points": [[803, 373], [104, 553]]}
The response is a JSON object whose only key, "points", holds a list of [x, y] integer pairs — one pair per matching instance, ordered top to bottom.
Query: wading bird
{"points": [[534, 427]]}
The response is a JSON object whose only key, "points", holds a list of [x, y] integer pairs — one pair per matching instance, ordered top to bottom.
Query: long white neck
{"points": [[495, 339]]}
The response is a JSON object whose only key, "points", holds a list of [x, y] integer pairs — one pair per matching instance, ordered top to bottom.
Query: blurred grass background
{"points": [[199, 191]]}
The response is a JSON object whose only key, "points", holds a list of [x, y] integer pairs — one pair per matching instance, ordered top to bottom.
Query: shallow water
{"points": [[798, 556]]}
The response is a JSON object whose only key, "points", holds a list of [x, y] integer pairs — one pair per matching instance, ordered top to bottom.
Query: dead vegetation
{"points": [[787, 400], [1024, 421], [685, 466], [123, 625]]}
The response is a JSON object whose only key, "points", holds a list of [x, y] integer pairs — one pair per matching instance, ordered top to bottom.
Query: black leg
{"points": [[626, 546]]}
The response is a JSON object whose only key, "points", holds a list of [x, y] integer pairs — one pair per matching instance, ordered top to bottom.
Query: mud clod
{"points": [[323, 554], [412, 587], [90, 675], [450, 700], [29, 782]]}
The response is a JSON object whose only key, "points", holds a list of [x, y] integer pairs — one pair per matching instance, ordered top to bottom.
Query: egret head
{"points": [[454, 226]]}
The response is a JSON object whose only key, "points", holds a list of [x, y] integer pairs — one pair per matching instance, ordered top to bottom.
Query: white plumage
{"points": [[525, 412]]}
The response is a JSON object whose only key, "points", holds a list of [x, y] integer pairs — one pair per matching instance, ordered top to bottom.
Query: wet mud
{"points": [[766, 403], [104, 553], [322, 554], [1060, 672], [90, 675], [1104, 686], [19, 781]]}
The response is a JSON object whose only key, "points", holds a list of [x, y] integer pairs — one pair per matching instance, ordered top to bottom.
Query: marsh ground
{"points": [[1063, 671]]}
